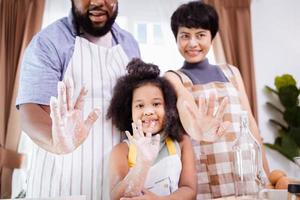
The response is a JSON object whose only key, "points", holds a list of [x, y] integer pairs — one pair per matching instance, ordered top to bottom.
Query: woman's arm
{"points": [[183, 97], [199, 121], [253, 126]]}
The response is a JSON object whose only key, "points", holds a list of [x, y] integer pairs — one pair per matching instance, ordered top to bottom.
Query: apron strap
{"points": [[228, 71], [177, 74], [170, 146], [132, 151], [131, 155]]}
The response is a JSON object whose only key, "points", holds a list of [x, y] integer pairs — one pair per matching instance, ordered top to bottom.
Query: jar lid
{"points": [[294, 188]]}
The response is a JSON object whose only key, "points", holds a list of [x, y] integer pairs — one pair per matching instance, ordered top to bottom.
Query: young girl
{"points": [[194, 25], [156, 161]]}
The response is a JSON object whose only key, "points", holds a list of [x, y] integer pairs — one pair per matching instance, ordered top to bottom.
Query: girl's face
{"points": [[193, 43], [148, 105]]}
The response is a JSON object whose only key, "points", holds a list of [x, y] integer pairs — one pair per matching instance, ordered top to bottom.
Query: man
{"points": [[90, 49]]}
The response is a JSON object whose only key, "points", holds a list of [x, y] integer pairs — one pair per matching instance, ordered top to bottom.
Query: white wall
{"points": [[54, 10], [276, 44], [165, 54]]}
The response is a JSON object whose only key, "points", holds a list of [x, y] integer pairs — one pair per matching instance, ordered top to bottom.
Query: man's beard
{"points": [[83, 21]]}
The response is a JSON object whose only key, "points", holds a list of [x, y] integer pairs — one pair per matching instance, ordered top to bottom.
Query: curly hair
{"points": [[195, 14], [140, 74]]}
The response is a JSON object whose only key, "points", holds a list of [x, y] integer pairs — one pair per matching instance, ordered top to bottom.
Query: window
{"points": [[142, 33], [157, 34]]}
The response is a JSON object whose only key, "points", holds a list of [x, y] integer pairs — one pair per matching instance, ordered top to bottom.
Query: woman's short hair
{"points": [[195, 14]]}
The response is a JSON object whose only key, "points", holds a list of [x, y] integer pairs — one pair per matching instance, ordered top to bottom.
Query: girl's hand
{"points": [[210, 126], [69, 129], [147, 146], [147, 195]]}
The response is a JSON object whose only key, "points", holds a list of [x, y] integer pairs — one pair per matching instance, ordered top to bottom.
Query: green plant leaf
{"points": [[284, 81], [271, 90], [288, 96], [271, 105], [292, 116], [277, 123], [282, 132], [295, 134], [288, 140], [278, 141], [272, 146], [286, 146], [289, 146], [279, 149]]}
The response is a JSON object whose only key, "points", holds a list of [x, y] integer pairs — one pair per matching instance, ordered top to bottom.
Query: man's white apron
{"points": [[83, 172]]}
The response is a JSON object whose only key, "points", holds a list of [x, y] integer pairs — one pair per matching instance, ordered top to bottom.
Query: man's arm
{"points": [[36, 122], [62, 129]]}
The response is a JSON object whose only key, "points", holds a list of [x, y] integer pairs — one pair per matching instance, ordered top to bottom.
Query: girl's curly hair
{"points": [[139, 74]]}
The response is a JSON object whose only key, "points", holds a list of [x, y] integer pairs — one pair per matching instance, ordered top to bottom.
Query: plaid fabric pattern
{"points": [[214, 160]]}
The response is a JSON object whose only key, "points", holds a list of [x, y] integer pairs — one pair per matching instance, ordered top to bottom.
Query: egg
{"points": [[275, 175], [282, 183], [270, 186]]}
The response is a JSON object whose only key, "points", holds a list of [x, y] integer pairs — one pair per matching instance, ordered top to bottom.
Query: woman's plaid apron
{"points": [[214, 160]]}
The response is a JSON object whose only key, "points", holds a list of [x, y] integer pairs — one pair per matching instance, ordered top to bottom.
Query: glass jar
{"points": [[245, 163], [294, 192]]}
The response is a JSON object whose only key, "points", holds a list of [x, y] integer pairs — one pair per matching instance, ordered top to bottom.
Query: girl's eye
{"points": [[156, 104], [139, 106]]}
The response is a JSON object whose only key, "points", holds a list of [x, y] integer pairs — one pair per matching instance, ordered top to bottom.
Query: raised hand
{"points": [[208, 125], [69, 129], [146, 145], [147, 195]]}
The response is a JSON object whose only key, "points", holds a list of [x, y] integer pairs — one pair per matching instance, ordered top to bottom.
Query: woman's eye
{"points": [[184, 36], [200, 36]]}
